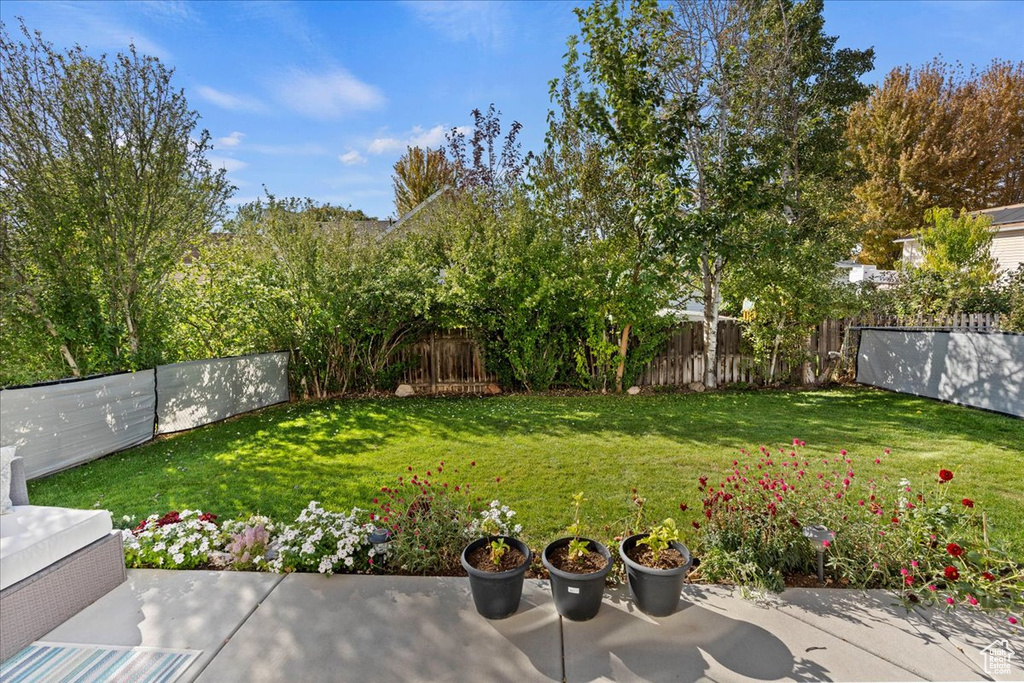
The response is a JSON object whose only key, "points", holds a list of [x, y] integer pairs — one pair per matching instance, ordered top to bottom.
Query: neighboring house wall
{"points": [[1008, 248], [912, 255]]}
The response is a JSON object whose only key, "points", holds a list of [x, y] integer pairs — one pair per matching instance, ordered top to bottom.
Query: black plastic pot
{"points": [[656, 591], [496, 594], [577, 596]]}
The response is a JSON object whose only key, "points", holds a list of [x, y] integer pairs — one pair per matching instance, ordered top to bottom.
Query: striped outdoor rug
{"points": [[65, 663]]}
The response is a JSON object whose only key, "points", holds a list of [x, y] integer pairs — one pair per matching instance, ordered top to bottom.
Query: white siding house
{"points": [[1007, 238]]}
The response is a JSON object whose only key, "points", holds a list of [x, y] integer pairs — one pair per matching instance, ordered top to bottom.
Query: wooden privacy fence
{"points": [[979, 322], [448, 361], [451, 361], [682, 361]]}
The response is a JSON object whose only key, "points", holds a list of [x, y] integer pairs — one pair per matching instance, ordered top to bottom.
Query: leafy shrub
{"points": [[172, 541], [324, 542]]}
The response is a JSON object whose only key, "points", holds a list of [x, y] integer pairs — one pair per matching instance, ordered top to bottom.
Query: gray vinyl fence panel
{"points": [[970, 368], [199, 392], [57, 426]]}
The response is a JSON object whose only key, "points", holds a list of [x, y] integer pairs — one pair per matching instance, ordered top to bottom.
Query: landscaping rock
{"points": [[697, 386], [492, 389], [404, 391], [633, 391], [220, 559]]}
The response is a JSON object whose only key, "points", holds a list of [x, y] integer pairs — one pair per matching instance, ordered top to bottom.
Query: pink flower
{"points": [[796, 442], [886, 451], [842, 452], [878, 461], [860, 502], [826, 544], [915, 564], [874, 565], [904, 572], [932, 588], [971, 599], [950, 601], [1012, 620]]}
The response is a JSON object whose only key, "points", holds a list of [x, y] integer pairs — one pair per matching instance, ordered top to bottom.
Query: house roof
{"points": [[1005, 215], [1009, 217]]}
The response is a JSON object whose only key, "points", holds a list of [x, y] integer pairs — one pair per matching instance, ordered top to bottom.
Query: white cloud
{"points": [[173, 10], [483, 21], [326, 96], [228, 101], [417, 137], [232, 140], [351, 157], [227, 163]]}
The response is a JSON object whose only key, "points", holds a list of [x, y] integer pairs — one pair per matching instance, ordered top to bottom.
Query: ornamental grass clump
{"points": [[430, 522], [176, 540], [325, 542]]}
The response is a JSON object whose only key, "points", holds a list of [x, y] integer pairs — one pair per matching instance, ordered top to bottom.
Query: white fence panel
{"points": [[970, 368], [199, 392], [56, 426]]}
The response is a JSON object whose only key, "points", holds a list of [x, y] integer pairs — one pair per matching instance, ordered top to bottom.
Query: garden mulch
{"points": [[303, 627]]}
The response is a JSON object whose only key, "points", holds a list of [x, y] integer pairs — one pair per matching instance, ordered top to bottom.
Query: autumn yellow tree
{"points": [[935, 136], [418, 174]]}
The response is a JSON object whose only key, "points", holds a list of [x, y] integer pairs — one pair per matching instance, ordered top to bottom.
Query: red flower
{"points": [[945, 475], [968, 503], [683, 506], [207, 517], [696, 525], [954, 550], [951, 573], [988, 576]]}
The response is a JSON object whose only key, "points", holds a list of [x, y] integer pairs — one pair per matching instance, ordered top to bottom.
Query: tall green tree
{"points": [[763, 142], [610, 170], [419, 174], [105, 187]]}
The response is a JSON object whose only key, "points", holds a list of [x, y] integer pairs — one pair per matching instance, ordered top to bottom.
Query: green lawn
{"points": [[544, 449]]}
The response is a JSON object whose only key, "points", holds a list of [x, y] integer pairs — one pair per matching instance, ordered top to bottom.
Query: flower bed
{"points": [[926, 541]]}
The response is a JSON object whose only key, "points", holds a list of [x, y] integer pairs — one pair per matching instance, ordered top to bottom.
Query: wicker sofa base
{"points": [[38, 604]]}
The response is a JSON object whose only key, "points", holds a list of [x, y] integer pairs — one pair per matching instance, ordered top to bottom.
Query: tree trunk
{"points": [[712, 301], [623, 348]]}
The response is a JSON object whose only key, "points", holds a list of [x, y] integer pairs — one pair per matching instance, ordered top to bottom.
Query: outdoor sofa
{"points": [[54, 562]]}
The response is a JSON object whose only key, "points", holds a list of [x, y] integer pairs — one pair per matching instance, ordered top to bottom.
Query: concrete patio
{"points": [[266, 627]]}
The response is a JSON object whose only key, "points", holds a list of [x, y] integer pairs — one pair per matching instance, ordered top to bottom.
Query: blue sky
{"points": [[319, 99]]}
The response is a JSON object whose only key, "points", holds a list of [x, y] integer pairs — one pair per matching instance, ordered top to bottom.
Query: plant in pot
{"points": [[496, 564], [656, 564], [578, 567]]}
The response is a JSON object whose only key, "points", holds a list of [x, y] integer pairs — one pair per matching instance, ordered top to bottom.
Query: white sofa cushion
{"points": [[33, 537]]}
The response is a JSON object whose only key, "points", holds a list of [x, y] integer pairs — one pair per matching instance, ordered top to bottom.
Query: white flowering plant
{"points": [[495, 520], [176, 540], [325, 542]]}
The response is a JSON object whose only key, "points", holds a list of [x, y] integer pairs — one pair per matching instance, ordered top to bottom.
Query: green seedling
{"points": [[660, 537]]}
